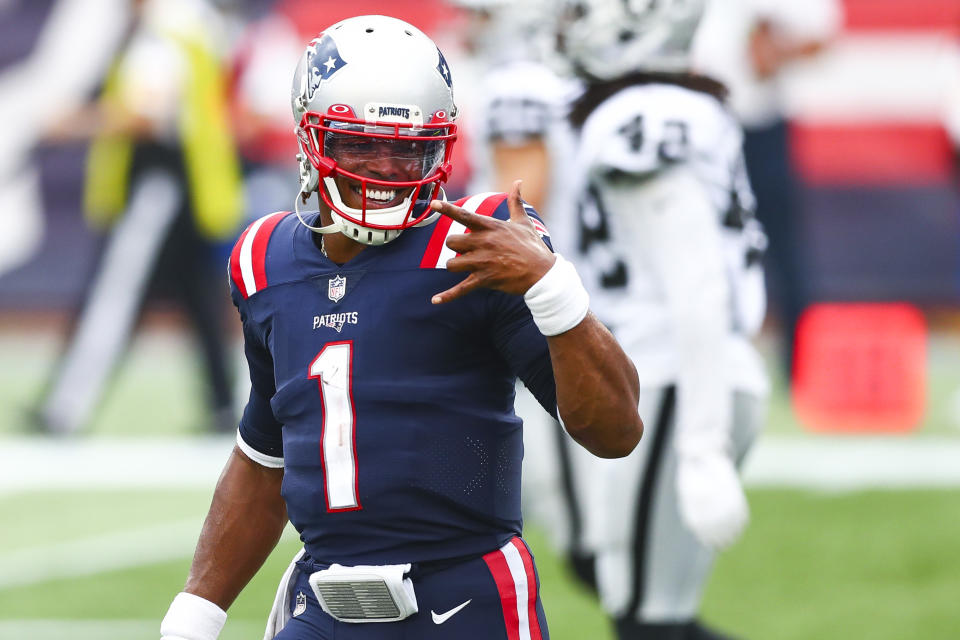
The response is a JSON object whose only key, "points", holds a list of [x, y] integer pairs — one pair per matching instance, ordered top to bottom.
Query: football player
{"points": [[515, 113], [669, 249], [384, 333]]}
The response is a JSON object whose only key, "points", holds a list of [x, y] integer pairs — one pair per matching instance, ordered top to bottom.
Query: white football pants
{"points": [[650, 566]]}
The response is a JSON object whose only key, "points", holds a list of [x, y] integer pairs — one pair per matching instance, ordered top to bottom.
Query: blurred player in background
{"points": [[749, 45], [513, 102], [514, 106], [261, 109], [26, 110], [163, 180], [670, 250], [384, 343]]}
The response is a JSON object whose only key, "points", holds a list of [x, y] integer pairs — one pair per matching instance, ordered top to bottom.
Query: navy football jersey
{"points": [[392, 417]]}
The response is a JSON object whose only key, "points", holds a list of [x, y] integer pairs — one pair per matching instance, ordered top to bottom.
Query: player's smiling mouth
{"points": [[378, 198]]}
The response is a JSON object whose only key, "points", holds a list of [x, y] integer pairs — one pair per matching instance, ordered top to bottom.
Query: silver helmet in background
{"points": [[605, 39]]}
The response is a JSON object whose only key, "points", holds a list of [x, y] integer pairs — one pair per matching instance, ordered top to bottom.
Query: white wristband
{"points": [[558, 301], [191, 617]]}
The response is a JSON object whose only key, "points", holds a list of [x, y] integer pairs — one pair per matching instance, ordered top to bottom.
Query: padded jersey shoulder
{"points": [[523, 100], [645, 128], [492, 204], [270, 252], [253, 259]]}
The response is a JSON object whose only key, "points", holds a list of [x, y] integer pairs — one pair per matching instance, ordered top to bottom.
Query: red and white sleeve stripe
{"points": [[537, 224], [437, 253], [247, 261], [512, 570]]}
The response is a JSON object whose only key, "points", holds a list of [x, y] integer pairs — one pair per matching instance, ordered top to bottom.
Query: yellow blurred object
{"points": [[210, 157], [108, 167], [213, 169]]}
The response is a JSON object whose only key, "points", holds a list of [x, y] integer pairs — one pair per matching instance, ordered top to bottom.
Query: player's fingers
{"points": [[515, 203], [461, 215], [462, 242], [466, 262], [463, 287]]}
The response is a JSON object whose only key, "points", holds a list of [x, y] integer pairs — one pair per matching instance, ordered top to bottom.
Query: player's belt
{"points": [[368, 593]]}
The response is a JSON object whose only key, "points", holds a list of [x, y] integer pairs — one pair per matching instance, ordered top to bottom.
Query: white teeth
{"points": [[381, 196]]}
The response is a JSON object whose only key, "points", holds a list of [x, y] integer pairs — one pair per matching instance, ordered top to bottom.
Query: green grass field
{"points": [[82, 564], [878, 565]]}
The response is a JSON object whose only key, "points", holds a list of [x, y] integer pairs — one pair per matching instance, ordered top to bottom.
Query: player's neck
{"points": [[337, 247]]}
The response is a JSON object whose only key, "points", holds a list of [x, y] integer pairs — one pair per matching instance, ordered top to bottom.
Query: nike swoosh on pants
{"points": [[443, 617]]}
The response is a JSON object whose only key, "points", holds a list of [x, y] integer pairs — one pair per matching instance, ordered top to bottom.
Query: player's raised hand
{"points": [[505, 255]]}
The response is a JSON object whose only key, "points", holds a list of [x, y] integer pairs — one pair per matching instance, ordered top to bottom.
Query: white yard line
{"points": [[815, 462], [854, 462], [38, 463], [102, 553], [98, 554], [79, 629], [135, 629]]}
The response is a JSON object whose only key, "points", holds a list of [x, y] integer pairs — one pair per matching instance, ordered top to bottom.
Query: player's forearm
{"points": [[597, 389], [704, 395], [243, 525]]}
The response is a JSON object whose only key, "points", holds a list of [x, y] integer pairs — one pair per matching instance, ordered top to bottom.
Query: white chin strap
{"points": [[333, 227], [357, 232]]}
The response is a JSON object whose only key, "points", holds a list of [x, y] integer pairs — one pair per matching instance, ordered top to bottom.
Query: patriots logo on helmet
{"points": [[323, 60], [444, 69]]}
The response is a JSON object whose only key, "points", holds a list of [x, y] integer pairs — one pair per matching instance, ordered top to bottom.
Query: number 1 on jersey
{"points": [[333, 367]]}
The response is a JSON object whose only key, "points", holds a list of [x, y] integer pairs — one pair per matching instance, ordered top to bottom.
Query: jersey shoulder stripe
{"points": [[538, 224], [437, 253], [247, 260]]}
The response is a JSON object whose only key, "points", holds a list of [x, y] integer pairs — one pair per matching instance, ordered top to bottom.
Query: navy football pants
{"points": [[502, 589]]}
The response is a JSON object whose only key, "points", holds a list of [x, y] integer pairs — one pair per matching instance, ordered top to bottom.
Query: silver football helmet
{"points": [[605, 39], [373, 101]]}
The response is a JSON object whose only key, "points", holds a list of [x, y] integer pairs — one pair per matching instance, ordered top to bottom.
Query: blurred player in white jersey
{"points": [[750, 46], [516, 102], [515, 115], [670, 246]]}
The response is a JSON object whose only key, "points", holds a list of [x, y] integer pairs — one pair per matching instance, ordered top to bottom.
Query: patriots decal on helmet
{"points": [[323, 60], [444, 69]]}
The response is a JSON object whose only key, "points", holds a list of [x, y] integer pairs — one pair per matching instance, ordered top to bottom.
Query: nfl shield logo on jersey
{"points": [[337, 288], [301, 604]]}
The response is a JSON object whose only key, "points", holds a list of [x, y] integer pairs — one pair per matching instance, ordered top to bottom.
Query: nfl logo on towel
{"points": [[337, 288]]}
